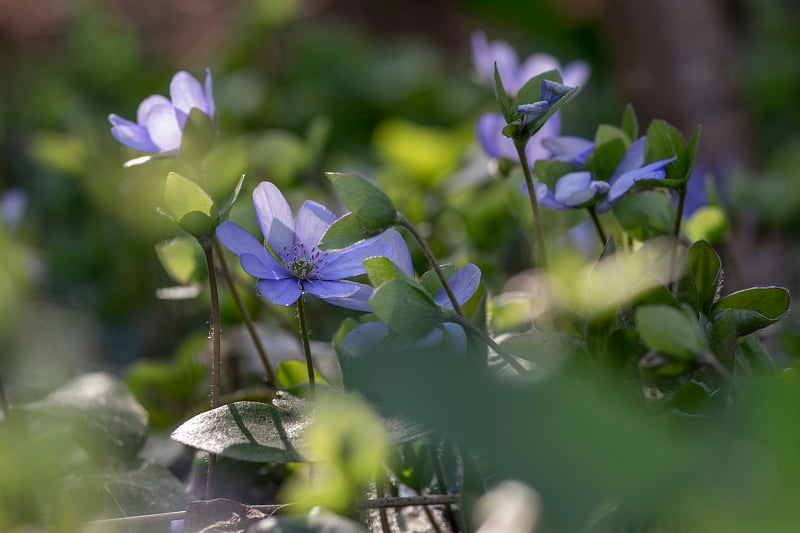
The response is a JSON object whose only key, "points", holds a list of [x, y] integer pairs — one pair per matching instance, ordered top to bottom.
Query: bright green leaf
{"points": [[630, 124], [665, 142], [369, 204], [189, 205], [645, 215], [707, 223], [345, 231], [179, 259], [406, 309], [670, 332]]}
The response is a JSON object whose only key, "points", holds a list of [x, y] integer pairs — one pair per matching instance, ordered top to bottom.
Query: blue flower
{"points": [[486, 54], [159, 121], [497, 146], [574, 151], [631, 169], [575, 189], [291, 263], [363, 338]]}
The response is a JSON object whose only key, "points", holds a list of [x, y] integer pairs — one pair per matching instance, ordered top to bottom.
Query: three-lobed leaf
{"points": [[370, 205]]}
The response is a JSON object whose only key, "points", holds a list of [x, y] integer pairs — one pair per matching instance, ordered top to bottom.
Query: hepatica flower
{"points": [[160, 121], [579, 189], [291, 263]]}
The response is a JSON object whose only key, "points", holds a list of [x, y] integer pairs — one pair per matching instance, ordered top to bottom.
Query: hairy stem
{"points": [[404, 222], [537, 222], [208, 251], [301, 317], [248, 321]]}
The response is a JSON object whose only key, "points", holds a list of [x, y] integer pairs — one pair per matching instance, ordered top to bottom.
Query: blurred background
{"points": [[305, 86]]}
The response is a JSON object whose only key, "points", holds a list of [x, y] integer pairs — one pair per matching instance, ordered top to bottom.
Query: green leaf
{"points": [[502, 97], [630, 124], [606, 133], [198, 136], [665, 142], [691, 156], [605, 158], [549, 171], [369, 204], [189, 205], [226, 209], [645, 215], [707, 223], [344, 232], [179, 259], [381, 269], [706, 271], [431, 282], [754, 308], [406, 309], [670, 332], [546, 348], [293, 377], [692, 399], [102, 411], [250, 431], [142, 489]]}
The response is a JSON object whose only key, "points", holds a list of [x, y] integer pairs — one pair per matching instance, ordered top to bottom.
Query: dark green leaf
{"points": [[501, 97], [630, 124], [605, 134], [665, 142], [691, 156], [605, 158], [369, 204], [226, 209], [645, 215], [344, 232], [706, 271], [754, 308], [406, 309], [670, 332], [724, 339], [546, 348], [756, 355], [691, 399], [101, 409], [250, 431], [142, 489]]}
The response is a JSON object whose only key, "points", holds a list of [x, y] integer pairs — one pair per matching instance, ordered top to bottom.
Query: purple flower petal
{"points": [[486, 54], [534, 65], [576, 73], [553, 91], [187, 93], [209, 94], [148, 104], [163, 127], [489, 129], [132, 135], [535, 150], [574, 151], [632, 160], [653, 171], [577, 188], [544, 196], [274, 216], [313, 220], [400, 255], [350, 261], [260, 269], [464, 284], [330, 289], [281, 291], [357, 301], [456, 337], [363, 338], [433, 338]]}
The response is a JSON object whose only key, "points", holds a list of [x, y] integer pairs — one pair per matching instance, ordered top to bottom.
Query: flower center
{"points": [[303, 264]]}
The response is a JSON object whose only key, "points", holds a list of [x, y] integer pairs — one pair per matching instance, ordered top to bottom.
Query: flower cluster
{"points": [[160, 121]]}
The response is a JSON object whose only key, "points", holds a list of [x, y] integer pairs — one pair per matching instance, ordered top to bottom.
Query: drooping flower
{"points": [[486, 54], [160, 121], [630, 170], [579, 189], [291, 263], [365, 337]]}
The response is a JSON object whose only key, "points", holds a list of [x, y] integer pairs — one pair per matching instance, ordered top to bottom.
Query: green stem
{"points": [[679, 212], [404, 222], [537, 222], [597, 225], [676, 231], [208, 251], [301, 316], [248, 322], [708, 359], [3, 400]]}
